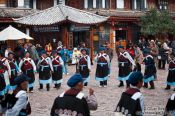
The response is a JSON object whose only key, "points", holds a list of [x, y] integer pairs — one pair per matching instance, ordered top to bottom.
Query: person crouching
{"points": [[73, 102]]}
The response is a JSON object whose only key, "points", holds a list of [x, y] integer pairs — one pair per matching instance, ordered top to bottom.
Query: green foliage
{"points": [[157, 23]]}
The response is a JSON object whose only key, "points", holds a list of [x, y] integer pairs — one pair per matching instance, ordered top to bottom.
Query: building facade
{"points": [[123, 23]]}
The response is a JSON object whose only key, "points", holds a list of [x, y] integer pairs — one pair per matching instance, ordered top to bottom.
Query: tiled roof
{"points": [[15, 12], [119, 13], [59, 14]]}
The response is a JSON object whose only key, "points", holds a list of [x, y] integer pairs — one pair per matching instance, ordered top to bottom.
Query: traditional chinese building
{"points": [[124, 20], [123, 23]]}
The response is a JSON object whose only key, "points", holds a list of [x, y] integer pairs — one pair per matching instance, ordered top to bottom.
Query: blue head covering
{"points": [[120, 46], [83, 49], [102, 49], [146, 51], [43, 52], [54, 52], [1, 53], [135, 77], [21, 78], [74, 80]]}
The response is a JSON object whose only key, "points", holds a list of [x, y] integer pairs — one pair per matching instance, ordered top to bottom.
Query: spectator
{"points": [[39, 48], [7, 51], [109, 51], [33, 53], [75, 56], [65, 57], [162, 57]]}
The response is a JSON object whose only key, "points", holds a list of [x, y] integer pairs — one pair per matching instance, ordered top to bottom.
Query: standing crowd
{"points": [[18, 69]]}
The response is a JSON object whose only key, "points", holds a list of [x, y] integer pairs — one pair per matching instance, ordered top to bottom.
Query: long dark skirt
{"points": [[84, 71], [102, 72], [124, 72], [149, 74], [31, 75], [45, 75], [57, 75], [13, 76], [171, 78], [2, 86]]}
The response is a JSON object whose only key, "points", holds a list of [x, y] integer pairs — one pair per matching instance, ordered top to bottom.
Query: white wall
{"points": [[120, 4]]}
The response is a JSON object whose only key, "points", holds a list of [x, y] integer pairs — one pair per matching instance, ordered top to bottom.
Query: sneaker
{"points": [[67, 73], [120, 85], [105, 86]]}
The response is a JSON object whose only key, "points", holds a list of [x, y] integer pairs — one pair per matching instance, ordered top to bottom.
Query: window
{"points": [[12, 3], [27, 3], [90, 3], [99, 3], [107, 4], [120, 4], [139, 4], [163, 4]]}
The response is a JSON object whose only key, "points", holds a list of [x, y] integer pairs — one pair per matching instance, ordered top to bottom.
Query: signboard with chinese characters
{"points": [[76, 28], [46, 29]]}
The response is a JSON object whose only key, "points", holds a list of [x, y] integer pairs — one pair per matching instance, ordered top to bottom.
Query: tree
{"points": [[157, 23]]}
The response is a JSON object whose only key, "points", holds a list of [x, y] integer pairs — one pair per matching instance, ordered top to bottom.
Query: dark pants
{"points": [[161, 64], [103, 83], [122, 83], [85, 84], [151, 84], [47, 86], [57, 86], [30, 88]]}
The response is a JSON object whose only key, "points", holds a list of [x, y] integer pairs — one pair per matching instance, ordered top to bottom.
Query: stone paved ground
{"points": [[155, 100]]}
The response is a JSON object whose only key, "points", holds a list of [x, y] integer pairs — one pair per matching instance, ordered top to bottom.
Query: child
{"points": [[85, 66], [125, 66], [28, 67], [14, 70], [45, 70], [102, 70], [150, 70], [7, 71], [171, 73], [57, 74], [132, 102], [170, 107]]}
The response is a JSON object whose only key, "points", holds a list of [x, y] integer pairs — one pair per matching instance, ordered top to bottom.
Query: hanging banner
{"points": [[76, 28], [46, 29]]}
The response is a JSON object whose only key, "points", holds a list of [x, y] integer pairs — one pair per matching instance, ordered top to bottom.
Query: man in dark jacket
{"points": [[109, 51], [73, 102]]}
